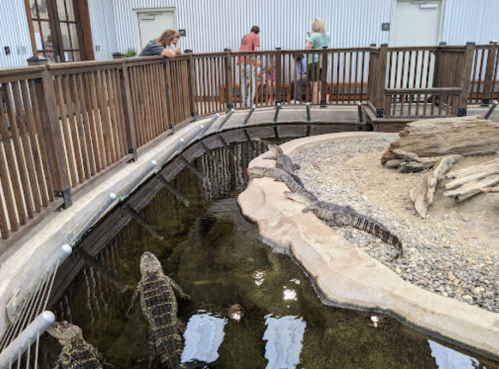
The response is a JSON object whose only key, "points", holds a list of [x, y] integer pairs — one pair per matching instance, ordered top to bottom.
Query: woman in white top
{"points": [[318, 39]]}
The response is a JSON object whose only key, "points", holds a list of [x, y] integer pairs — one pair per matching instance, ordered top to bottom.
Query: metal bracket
{"points": [[485, 102], [462, 112], [309, 113], [380, 113], [276, 116], [172, 128], [248, 138], [226, 145], [209, 152], [134, 153], [193, 169], [172, 189], [66, 196]]}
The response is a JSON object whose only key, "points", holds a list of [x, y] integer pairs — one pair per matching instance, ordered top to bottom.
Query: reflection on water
{"points": [[251, 308], [203, 337], [284, 338], [450, 359]]}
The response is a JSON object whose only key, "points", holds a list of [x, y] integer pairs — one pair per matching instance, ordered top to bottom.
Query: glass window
{"points": [[74, 36]]}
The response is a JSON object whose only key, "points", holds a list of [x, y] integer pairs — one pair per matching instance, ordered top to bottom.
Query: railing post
{"points": [[436, 67], [278, 74], [371, 74], [489, 74], [466, 77], [381, 81], [192, 86], [229, 91], [126, 97], [169, 97], [323, 102], [51, 132]]}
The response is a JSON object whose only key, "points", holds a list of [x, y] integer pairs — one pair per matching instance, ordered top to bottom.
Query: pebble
{"points": [[432, 260]]}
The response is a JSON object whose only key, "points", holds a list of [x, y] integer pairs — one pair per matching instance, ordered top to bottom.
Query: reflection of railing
{"points": [[65, 124]]}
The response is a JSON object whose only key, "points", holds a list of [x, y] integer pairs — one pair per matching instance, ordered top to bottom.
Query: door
{"points": [[152, 23], [416, 23], [56, 29]]}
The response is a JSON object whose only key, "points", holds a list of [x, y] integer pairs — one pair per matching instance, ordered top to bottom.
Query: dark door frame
{"points": [[84, 31]]}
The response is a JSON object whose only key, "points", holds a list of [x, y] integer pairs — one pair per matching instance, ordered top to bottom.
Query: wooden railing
{"points": [[422, 102], [62, 125]]}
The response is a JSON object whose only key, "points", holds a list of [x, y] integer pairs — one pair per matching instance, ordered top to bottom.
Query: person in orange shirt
{"points": [[250, 42]]}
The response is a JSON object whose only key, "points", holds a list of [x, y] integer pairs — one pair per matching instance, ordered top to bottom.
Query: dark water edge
{"points": [[217, 257]]}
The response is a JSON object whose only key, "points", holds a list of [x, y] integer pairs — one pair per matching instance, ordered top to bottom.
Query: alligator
{"points": [[284, 162], [281, 175], [347, 216], [159, 307], [76, 352]]}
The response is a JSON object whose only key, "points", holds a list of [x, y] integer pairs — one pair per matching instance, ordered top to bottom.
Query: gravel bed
{"points": [[438, 256]]}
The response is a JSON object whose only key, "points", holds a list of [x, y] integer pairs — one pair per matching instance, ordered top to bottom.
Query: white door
{"points": [[152, 23], [416, 23]]}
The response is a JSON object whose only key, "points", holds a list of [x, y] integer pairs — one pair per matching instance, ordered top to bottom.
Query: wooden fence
{"points": [[62, 125]]}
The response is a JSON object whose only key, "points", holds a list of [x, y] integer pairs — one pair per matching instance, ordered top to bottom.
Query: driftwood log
{"points": [[441, 137], [411, 162], [473, 180], [424, 192]]}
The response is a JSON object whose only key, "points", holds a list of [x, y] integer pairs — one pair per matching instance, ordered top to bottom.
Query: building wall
{"points": [[471, 20], [213, 25], [103, 28], [14, 33]]}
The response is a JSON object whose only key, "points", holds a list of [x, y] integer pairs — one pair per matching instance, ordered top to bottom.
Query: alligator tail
{"points": [[378, 230], [170, 349]]}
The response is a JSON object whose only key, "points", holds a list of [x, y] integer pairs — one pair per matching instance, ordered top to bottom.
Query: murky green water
{"points": [[217, 257]]}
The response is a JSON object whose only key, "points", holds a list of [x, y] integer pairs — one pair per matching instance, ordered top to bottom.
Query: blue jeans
{"points": [[247, 71], [299, 92]]}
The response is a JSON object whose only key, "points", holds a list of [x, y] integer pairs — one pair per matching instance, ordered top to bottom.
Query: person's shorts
{"points": [[314, 72]]}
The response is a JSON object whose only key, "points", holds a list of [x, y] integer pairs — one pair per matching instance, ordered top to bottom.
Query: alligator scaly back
{"points": [[284, 162], [281, 176], [347, 216], [159, 307], [76, 353]]}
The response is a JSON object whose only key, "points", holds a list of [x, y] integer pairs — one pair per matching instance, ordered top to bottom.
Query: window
{"points": [[56, 28]]}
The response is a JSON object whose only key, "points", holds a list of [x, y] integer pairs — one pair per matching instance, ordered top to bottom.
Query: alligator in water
{"points": [[284, 162], [281, 176], [347, 216], [159, 306], [76, 352]]}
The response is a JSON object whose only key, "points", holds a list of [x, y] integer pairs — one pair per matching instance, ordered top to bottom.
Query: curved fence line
{"points": [[61, 125]]}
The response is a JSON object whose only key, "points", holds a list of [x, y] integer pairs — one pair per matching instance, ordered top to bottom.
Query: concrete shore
{"points": [[347, 276]]}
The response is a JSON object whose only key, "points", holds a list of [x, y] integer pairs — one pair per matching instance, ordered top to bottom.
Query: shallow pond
{"points": [[250, 308]]}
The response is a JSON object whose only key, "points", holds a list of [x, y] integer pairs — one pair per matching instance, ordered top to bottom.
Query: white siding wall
{"points": [[471, 20], [213, 25], [103, 28], [14, 32]]}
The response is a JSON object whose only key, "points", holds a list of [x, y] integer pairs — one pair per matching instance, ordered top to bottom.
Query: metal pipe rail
{"points": [[14, 352]]}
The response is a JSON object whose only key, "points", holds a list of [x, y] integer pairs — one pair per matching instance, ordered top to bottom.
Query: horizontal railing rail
{"points": [[62, 125]]}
